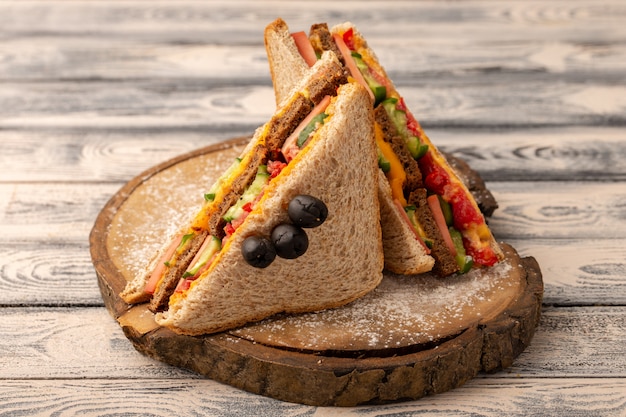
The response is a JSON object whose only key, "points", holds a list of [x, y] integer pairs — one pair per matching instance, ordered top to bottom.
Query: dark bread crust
{"points": [[322, 40], [327, 83], [283, 124], [280, 127], [391, 136], [180, 263], [445, 263]]}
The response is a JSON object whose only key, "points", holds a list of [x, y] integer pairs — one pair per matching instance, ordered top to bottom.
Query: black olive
{"points": [[307, 211], [290, 241], [258, 251]]}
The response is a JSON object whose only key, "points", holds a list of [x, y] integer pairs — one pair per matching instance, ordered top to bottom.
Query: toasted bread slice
{"points": [[404, 254], [398, 258], [344, 260], [169, 264]]}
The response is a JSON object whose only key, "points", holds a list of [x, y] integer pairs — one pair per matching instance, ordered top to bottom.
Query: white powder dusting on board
{"points": [[159, 207], [402, 311]]}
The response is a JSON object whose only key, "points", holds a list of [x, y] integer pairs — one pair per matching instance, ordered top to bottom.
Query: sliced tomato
{"points": [[348, 38], [304, 47], [352, 67], [290, 142], [275, 167], [436, 178], [435, 208], [465, 214], [406, 219], [229, 229], [484, 256], [160, 266]]}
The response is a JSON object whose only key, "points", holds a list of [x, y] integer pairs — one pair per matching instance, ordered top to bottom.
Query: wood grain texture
{"points": [[210, 19], [421, 60], [530, 93], [150, 103], [118, 154], [544, 210], [573, 213], [588, 235], [580, 272], [52, 273], [61, 342], [383, 367], [180, 398]]}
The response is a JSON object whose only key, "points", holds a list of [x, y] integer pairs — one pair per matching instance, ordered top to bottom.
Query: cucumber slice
{"points": [[379, 90], [380, 93], [398, 117], [310, 128], [421, 151], [383, 163], [255, 188], [210, 195], [410, 212], [180, 247], [212, 248], [464, 261]]}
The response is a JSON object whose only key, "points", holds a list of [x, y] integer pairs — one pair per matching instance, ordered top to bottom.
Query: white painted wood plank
{"points": [[576, 19], [414, 60], [95, 92], [512, 102], [564, 154], [99, 155], [107, 155], [545, 210], [564, 210], [575, 234], [575, 272], [579, 272], [63, 342], [77, 342], [576, 342], [141, 397], [172, 398], [516, 398]]}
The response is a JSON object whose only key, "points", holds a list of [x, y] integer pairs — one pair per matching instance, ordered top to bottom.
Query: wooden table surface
{"points": [[532, 94]]}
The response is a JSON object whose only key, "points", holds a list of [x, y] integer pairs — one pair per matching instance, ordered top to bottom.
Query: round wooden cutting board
{"points": [[410, 337]]}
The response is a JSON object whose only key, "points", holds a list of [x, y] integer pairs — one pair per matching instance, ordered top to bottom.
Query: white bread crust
{"points": [[287, 67]]}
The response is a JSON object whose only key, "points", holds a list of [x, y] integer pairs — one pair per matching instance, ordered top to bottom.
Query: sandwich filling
{"points": [[236, 193], [252, 195], [432, 199]]}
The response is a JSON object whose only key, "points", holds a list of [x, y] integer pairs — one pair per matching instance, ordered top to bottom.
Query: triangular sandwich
{"points": [[427, 212], [291, 227]]}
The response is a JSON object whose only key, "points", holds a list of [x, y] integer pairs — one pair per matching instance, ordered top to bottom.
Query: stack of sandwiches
{"points": [[340, 184]]}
